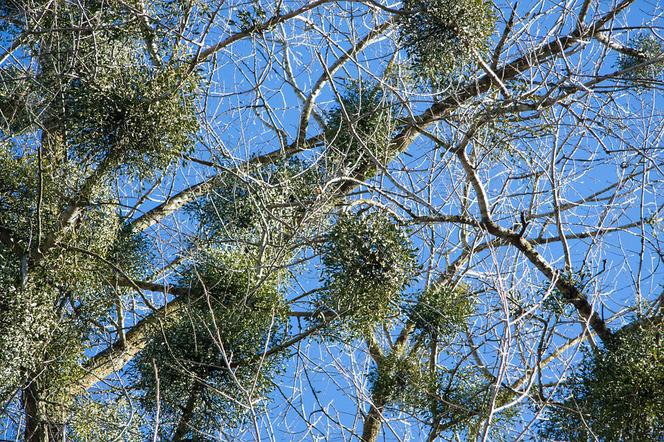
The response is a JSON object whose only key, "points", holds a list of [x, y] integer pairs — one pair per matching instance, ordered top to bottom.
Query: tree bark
{"points": [[372, 422], [183, 426], [36, 428]]}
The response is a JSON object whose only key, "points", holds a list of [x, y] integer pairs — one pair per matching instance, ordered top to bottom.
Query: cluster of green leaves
{"points": [[249, 19], [444, 36], [112, 45], [651, 47], [99, 97], [98, 104], [136, 118], [358, 131], [18, 181], [32, 199], [267, 202], [131, 253], [126, 254], [368, 261], [68, 286], [68, 292], [556, 302], [441, 310], [27, 312], [234, 312], [46, 319], [26, 322], [54, 381], [403, 381], [618, 391], [456, 398], [463, 399], [94, 420]]}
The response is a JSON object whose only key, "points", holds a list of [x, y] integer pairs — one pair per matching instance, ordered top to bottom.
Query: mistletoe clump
{"points": [[442, 36], [648, 47], [131, 118], [358, 131], [18, 179], [264, 202], [368, 261], [35, 294], [34, 304], [441, 310], [234, 313], [27, 322], [402, 381], [618, 392], [94, 419]]}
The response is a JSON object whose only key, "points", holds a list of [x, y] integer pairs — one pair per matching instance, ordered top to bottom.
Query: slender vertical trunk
{"points": [[45, 414], [436, 417], [372, 422], [40, 426], [183, 426], [36, 427]]}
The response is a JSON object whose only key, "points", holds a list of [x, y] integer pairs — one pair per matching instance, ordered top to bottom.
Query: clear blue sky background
{"points": [[323, 392]]}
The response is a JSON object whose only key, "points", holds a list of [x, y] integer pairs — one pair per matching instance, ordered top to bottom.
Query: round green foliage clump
{"points": [[442, 36], [650, 47], [133, 118], [358, 131], [18, 181], [23, 197], [270, 202], [131, 253], [367, 261], [95, 289], [31, 300], [441, 310], [27, 320], [34, 337], [207, 359], [58, 370], [403, 381], [618, 392], [463, 394], [456, 397], [94, 420]]}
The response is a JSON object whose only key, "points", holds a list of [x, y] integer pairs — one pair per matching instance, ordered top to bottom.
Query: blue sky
{"points": [[237, 116]]}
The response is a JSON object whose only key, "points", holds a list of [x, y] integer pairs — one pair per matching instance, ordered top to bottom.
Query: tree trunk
{"points": [[44, 417], [372, 422], [183, 426], [36, 428]]}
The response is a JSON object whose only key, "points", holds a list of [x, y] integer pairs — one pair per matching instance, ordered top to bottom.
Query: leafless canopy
{"points": [[185, 184]]}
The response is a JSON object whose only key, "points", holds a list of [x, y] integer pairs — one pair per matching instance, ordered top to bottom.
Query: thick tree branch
{"points": [[207, 52], [186, 196], [570, 292], [114, 358]]}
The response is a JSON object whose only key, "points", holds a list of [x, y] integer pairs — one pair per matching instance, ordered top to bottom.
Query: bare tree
{"points": [[419, 220]]}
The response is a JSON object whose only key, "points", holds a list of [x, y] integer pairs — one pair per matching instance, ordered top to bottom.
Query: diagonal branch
{"points": [[556, 47], [206, 53], [185, 196], [570, 292], [115, 357]]}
